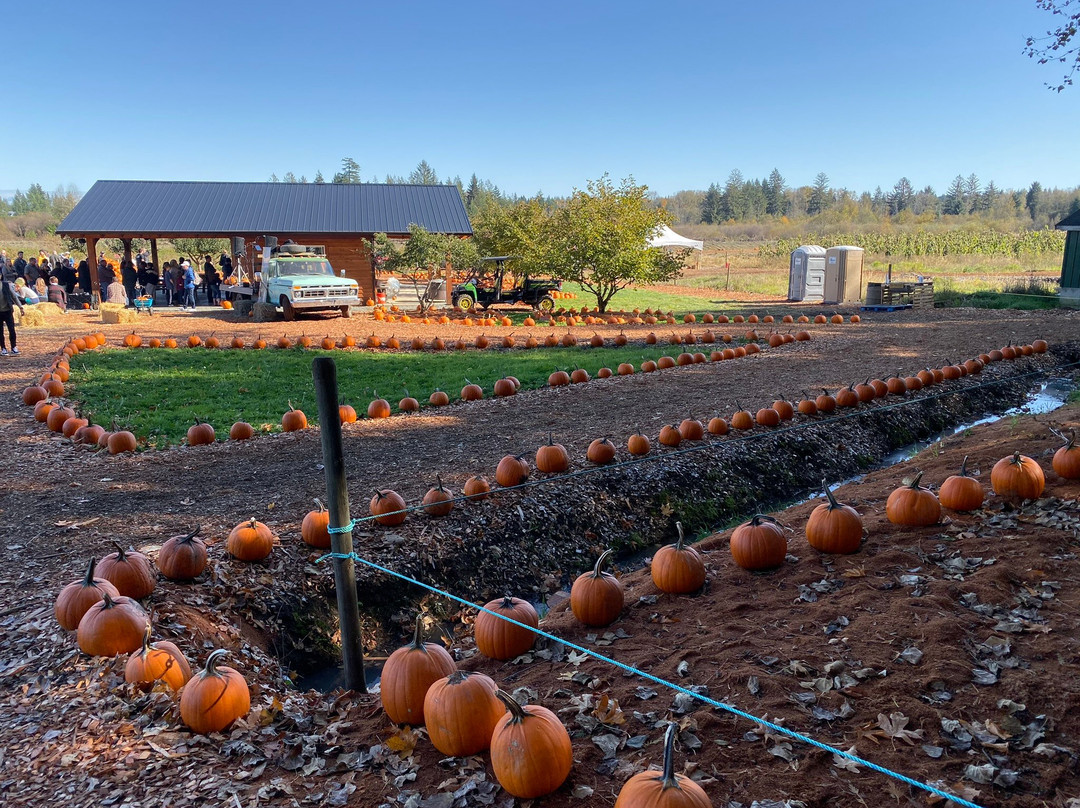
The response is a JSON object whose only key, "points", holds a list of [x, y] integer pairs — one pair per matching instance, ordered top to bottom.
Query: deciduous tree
{"points": [[1059, 44]]}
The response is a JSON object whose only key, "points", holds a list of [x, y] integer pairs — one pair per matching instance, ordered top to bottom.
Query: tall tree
{"points": [[1059, 44], [350, 172], [423, 174], [289, 177], [274, 178], [319, 178], [775, 189], [972, 192], [819, 195], [901, 196], [988, 197], [1033, 202], [954, 203], [710, 206], [599, 239]]}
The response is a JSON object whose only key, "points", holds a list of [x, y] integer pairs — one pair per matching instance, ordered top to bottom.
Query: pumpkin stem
{"points": [[1017, 460], [963, 467], [438, 482], [914, 484], [833, 504], [319, 505], [758, 518], [252, 523], [682, 538], [121, 554], [598, 567], [88, 579], [106, 598], [508, 602], [418, 633], [146, 640], [212, 662], [517, 712], [668, 780]]}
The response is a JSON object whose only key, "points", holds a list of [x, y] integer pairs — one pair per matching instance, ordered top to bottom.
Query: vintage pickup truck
{"points": [[296, 281]]}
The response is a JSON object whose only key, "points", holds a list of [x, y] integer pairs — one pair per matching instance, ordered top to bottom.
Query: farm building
{"points": [[336, 216], [1070, 263]]}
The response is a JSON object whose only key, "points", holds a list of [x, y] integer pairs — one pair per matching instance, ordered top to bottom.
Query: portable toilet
{"points": [[843, 274], [806, 280]]}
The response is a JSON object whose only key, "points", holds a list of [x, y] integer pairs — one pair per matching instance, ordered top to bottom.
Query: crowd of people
{"points": [[54, 277]]}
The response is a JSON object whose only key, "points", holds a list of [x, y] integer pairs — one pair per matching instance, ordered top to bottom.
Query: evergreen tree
{"points": [[350, 171], [423, 174], [289, 177], [273, 178], [319, 178], [303, 179], [775, 189], [472, 192], [972, 192], [819, 195], [901, 196], [988, 197], [878, 202], [953, 203], [1033, 203], [710, 205], [732, 205], [1074, 206]]}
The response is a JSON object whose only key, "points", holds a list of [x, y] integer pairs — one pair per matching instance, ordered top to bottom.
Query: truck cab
{"points": [[297, 280]]}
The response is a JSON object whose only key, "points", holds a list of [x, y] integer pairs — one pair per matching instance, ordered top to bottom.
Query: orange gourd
{"points": [[512, 470], [1017, 477], [961, 492], [438, 501], [913, 506], [388, 507], [833, 527], [314, 528], [250, 541], [759, 544], [182, 558], [677, 568], [129, 571], [77, 597], [596, 598], [112, 626], [498, 639], [153, 662], [408, 674], [215, 697], [460, 713], [531, 753], [665, 788]]}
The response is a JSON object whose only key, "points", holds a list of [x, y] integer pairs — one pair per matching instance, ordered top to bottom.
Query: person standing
{"points": [[20, 265], [105, 273], [83, 274], [30, 275], [128, 277], [149, 280], [168, 284], [189, 286], [8, 302]]}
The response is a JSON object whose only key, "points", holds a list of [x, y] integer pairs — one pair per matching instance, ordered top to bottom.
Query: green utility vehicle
{"points": [[475, 292]]}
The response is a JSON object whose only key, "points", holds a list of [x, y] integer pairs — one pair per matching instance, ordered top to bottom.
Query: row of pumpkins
{"points": [[389, 508]]}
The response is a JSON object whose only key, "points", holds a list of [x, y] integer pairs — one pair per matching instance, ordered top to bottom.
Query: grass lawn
{"points": [[158, 393]]}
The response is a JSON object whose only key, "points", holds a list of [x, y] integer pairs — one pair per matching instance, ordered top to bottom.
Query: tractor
{"points": [[475, 292]]}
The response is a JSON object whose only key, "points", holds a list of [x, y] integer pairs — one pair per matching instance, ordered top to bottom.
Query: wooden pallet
{"points": [[886, 307]]}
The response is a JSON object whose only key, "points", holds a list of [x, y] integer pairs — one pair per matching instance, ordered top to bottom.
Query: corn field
{"points": [[955, 242]]}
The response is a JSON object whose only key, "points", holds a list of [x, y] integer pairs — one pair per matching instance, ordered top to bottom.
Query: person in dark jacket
{"points": [[20, 265], [31, 273], [105, 273], [83, 274], [129, 277], [56, 293], [8, 301]]}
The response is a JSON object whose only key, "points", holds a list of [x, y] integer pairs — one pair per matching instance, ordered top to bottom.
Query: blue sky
{"points": [[535, 97]]}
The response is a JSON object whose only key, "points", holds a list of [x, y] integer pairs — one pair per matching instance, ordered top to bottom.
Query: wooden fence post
{"points": [[324, 373]]}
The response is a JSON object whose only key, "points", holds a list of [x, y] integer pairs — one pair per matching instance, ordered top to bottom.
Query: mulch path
{"points": [[72, 727]]}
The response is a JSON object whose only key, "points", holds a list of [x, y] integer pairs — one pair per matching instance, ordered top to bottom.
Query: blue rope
{"points": [[346, 529], [657, 680]]}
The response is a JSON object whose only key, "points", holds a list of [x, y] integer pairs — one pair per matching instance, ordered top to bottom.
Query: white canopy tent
{"points": [[666, 237]]}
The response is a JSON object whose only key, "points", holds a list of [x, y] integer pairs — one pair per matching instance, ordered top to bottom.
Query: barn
{"points": [[336, 216], [1070, 262]]}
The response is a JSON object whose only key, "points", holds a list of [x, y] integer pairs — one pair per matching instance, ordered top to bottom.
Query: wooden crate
{"points": [[918, 295]]}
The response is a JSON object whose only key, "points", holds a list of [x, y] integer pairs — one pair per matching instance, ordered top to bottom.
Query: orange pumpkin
{"points": [[379, 408], [294, 420], [241, 430], [200, 434], [638, 445], [601, 451], [1066, 461], [512, 471], [1017, 477], [476, 488], [961, 492], [438, 501], [913, 506], [388, 507], [314, 528], [834, 528], [250, 541], [759, 544], [182, 558], [677, 568], [129, 571], [77, 597], [596, 598], [112, 626], [498, 639], [153, 662], [408, 674], [215, 697], [460, 713], [531, 753], [665, 788]]}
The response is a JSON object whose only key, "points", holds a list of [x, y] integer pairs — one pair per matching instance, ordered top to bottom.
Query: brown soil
{"points": [[71, 725]]}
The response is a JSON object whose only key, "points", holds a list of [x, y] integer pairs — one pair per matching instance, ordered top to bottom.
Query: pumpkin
{"points": [[227, 305], [819, 319], [132, 340], [194, 341], [347, 341], [169, 342], [213, 342], [481, 342], [284, 343], [1038, 346], [664, 363], [625, 369], [605, 373], [579, 376], [560, 378], [896, 386], [505, 387], [53, 388], [865, 391], [471, 392], [32, 395], [847, 397], [438, 399], [825, 402], [408, 404], [807, 406], [379, 408], [784, 409], [42, 410], [57, 416], [767, 416], [742, 419], [293, 420], [73, 425], [718, 426], [241, 430], [200, 434], [88, 435], [670, 436], [638, 444], [601, 451], [1066, 462], [512, 470], [1017, 477], [476, 488], [961, 492], [438, 501], [912, 505], [388, 507], [833, 527], [314, 528], [250, 541], [759, 544], [182, 558], [677, 568], [129, 571], [78, 596], [596, 598], [112, 626], [498, 639], [157, 661], [408, 673], [215, 697], [460, 713], [531, 753], [663, 789]]}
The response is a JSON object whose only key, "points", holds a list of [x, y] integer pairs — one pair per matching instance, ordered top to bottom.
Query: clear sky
{"points": [[534, 96]]}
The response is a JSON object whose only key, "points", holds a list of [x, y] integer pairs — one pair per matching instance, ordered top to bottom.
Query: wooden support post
{"points": [[153, 255], [91, 260], [324, 373]]}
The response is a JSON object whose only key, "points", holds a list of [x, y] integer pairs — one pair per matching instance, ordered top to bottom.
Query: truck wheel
{"points": [[465, 302], [547, 303], [287, 309], [346, 312]]}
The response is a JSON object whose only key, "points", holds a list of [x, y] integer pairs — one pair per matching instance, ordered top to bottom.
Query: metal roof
{"points": [[152, 208], [1071, 222]]}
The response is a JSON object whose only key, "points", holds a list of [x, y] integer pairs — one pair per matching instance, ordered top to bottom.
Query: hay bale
{"points": [[242, 308], [116, 313], [264, 313], [29, 317]]}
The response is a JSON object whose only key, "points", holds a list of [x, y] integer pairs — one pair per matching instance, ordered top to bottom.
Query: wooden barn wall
{"points": [[344, 253]]}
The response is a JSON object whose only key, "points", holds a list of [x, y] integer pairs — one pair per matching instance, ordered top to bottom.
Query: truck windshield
{"points": [[313, 267]]}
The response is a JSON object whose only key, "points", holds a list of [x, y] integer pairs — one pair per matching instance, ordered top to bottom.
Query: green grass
{"points": [[1027, 295], [633, 298], [158, 393]]}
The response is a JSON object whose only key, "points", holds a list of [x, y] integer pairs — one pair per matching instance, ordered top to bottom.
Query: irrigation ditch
{"points": [[532, 541]]}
